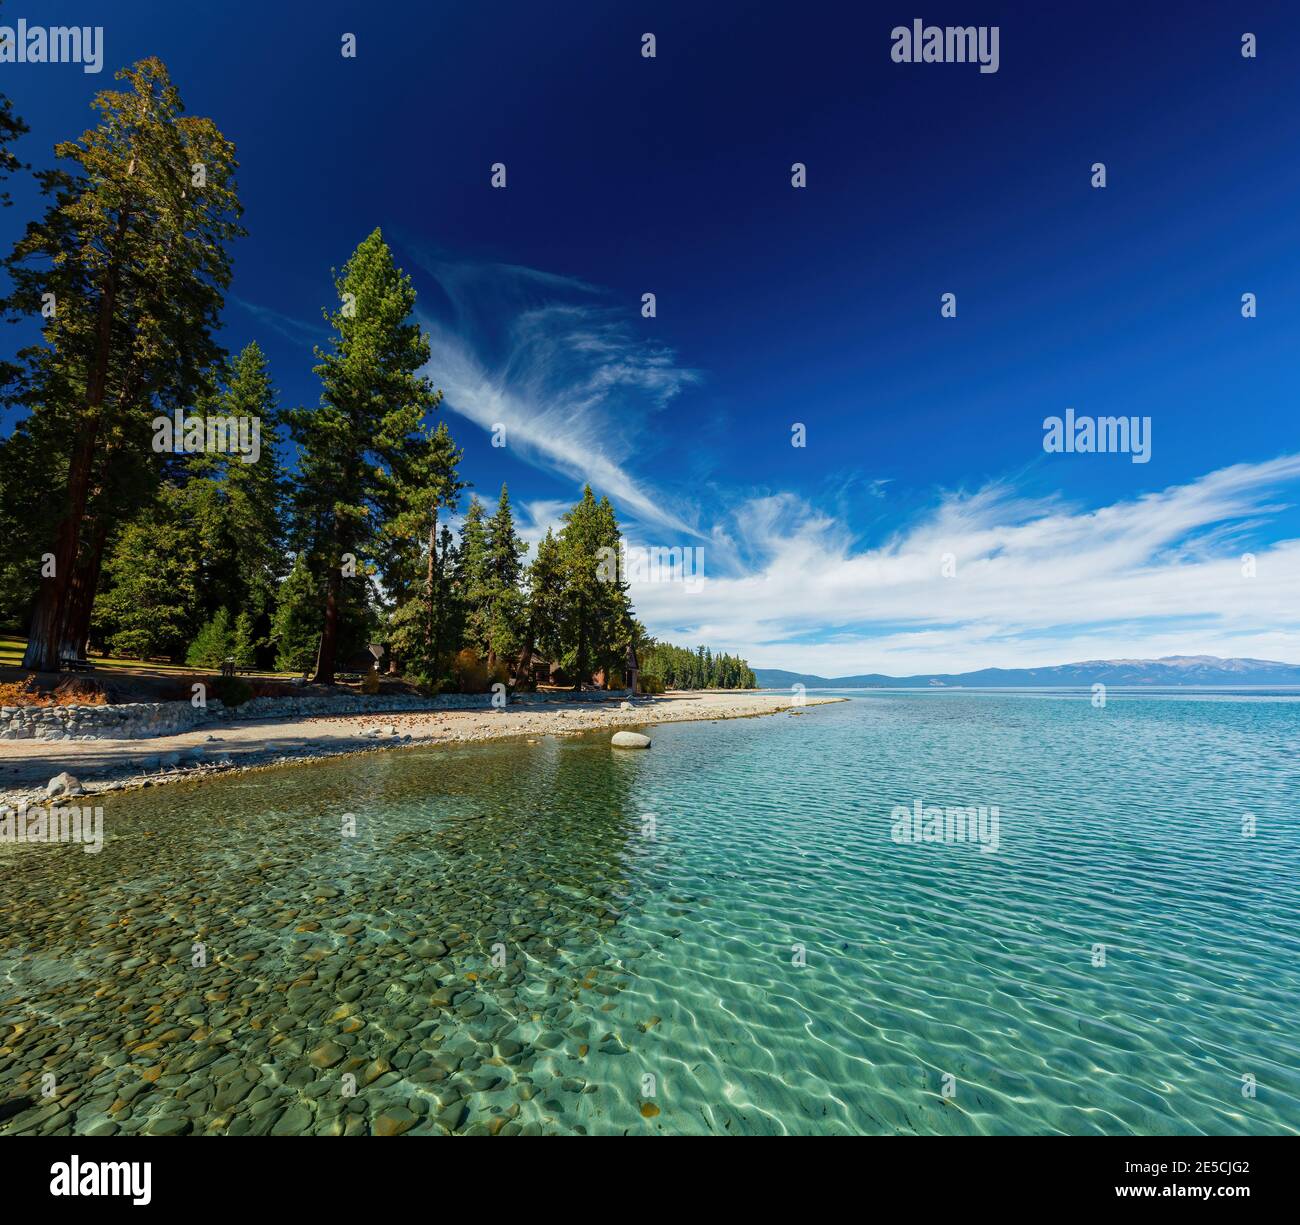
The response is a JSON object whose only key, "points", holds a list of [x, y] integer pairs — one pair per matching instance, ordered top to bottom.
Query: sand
{"points": [[111, 765]]}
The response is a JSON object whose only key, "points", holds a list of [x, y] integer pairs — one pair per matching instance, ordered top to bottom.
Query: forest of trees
{"points": [[338, 536], [677, 668]]}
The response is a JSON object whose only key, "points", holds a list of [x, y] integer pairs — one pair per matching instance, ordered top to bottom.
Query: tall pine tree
{"points": [[131, 257], [373, 402], [417, 570], [503, 578], [596, 621]]}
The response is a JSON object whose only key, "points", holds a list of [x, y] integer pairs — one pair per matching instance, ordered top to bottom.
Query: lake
{"points": [[724, 935]]}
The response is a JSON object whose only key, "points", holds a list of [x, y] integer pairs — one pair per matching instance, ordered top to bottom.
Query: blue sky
{"points": [[818, 306]]}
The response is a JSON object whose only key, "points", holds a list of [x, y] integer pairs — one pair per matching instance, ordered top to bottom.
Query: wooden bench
{"points": [[76, 665]]}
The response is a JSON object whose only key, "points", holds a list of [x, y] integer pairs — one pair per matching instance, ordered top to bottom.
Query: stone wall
{"points": [[138, 720], [141, 720]]}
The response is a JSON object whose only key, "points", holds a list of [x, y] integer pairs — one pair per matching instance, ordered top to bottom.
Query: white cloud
{"points": [[575, 387], [1037, 582]]}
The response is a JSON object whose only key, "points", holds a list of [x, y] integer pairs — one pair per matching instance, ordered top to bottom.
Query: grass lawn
{"points": [[12, 648]]}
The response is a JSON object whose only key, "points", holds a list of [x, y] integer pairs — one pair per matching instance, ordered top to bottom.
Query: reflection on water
{"points": [[715, 936]]}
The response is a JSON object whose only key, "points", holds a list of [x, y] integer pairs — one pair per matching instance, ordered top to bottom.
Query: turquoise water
{"points": [[644, 978]]}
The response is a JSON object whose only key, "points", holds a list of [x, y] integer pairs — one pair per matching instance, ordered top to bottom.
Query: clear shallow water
{"points": [[623, 956]]}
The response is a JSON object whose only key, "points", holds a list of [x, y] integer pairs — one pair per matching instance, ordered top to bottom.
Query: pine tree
{"points": [[11, 128], [133, 248], [372, 403], [238, 508], [417, 565], [503, 578], [472, 579], [544, 605], [148, 607], [597, 614], [617, 625], [295, 627], [244, 641], [214, 643], [678, 668]]}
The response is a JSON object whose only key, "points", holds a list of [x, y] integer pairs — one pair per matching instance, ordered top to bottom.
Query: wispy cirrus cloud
{"points": [[287, 326], [564, 371]]}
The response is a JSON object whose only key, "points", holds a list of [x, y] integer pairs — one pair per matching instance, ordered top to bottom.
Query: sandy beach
{"points": [[114, 765]]}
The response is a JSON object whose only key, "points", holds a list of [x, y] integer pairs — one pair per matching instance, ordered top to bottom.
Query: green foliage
{"points": [[11, 128], [134, 252], [372, 406], [33, 461], [239, 508], [213, 533], [157, 552], [418, 559], [471, 577], [489, 581], [544, 601], [149, 605], [595, 615], [295, 628], [213, 644], [244, 644], [677, 668]]}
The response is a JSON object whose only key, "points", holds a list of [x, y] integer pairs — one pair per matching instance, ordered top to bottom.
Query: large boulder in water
{"points": [[630, 740]]}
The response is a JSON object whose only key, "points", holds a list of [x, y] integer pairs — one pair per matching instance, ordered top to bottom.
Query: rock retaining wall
{"points": [[141, 720]]}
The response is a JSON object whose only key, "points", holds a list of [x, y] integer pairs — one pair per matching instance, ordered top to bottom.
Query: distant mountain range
{"points": [[1171, 671]]}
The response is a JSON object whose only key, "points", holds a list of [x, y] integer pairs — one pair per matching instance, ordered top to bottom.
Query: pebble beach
{"points": [[103, 766]]}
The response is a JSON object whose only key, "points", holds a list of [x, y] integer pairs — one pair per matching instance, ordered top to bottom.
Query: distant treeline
{"points": [[677, 668]]}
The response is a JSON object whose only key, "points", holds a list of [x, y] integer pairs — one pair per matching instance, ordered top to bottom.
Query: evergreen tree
{"points": [[11, 128], [132, 247], [372, 404], [33, 461], [252, 494], [238, 508], [503, 579], [471, 580], [151, 593], [544, 605], [596, 621], [618, 625], [295, 627], [423, 628], [244, 641], [214, 643], [677, 668]]}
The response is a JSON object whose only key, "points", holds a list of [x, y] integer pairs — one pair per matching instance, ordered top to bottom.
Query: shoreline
{"points": [[109, 766]]}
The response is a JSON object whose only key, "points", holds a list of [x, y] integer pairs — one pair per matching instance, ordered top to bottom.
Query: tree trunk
{"points": [[81, 597], [50, 618], [524, 664], [324, 674]]}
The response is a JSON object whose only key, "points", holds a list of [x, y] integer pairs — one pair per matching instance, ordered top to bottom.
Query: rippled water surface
{"points": [[717, 936]]}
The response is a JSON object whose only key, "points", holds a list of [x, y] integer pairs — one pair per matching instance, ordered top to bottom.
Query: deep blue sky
{"points": [[819, 305]]}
